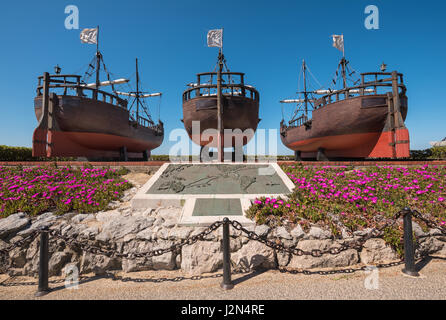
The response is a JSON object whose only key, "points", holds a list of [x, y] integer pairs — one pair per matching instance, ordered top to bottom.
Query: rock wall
{"points": [[125, 230]]}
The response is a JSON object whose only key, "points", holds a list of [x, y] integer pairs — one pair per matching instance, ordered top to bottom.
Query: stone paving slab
{"points": [[219, 207]]}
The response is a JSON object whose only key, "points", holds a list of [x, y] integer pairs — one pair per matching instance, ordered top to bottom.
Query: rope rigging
{"points": [[122, 87]]}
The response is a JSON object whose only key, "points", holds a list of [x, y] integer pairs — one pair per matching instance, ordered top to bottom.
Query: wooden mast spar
{"points": [[98, 65], [219, 107]]}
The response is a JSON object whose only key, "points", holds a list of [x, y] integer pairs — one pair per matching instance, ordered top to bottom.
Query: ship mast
{"points": [[344, 64], [98, 65], [304, 67], [344, 74], [137, 91], [219, 107]]}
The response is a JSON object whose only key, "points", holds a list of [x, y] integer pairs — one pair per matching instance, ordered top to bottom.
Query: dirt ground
{"points": [[138, 178], [270, 285]]}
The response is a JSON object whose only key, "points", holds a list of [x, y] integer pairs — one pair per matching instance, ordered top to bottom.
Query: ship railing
{"points": [[227, 77], [64, 82], [365, 88], [234, 90], [298, 122], [147, 123]]}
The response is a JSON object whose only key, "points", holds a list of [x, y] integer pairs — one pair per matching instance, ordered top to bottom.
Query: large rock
{"points": [[169, 213], [106, 216], [83, 217], [42, 221], [12, 224], [118, 228], [262, 230], [281, 232], [297, 232], [318, 233], [430, 246], [377, 251], [254, 255], [18, 257], [201, 257], [32, 259], [343, 259], [166, 261], [57, 262], [98, 264], [133, 264], [136, 265]]}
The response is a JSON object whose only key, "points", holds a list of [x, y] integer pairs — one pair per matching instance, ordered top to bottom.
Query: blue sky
{"points": [[265, 39]]}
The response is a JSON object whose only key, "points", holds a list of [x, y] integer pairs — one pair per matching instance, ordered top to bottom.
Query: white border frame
{"points": [[187, 201]]}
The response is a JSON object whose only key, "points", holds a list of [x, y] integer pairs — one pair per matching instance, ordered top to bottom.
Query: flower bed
{"points": [[41, 189], [341, 198]]}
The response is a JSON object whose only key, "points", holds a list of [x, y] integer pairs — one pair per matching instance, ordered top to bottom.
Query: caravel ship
{"points": [[221, 100], [77, 119], [365, 120]]}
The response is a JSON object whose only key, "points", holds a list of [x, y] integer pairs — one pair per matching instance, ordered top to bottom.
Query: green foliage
{"points": [[435, 153], [438, 153], [15, 154], [23, 154], [420, 154], [58, 189], [332, 197]]}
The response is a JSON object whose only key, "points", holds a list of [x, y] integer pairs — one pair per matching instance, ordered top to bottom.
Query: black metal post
{"points": [[409, 251], [227, 282], [43, 288]]}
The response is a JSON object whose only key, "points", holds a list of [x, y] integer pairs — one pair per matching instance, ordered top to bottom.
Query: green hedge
{"points": [[435, 153], [439, 153], [15, 154], [24, 154]]}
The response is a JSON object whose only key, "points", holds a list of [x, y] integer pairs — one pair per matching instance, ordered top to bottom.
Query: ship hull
{"points": [[240, 116], [358, 127], [89, 128]]}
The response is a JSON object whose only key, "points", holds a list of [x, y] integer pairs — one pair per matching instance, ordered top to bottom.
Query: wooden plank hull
{"points": [[238, 113], [90, 128], [352, 128]]}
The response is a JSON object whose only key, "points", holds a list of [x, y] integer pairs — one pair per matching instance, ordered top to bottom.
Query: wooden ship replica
{"points": [[221, 100], [77, 119], [362, 121]]}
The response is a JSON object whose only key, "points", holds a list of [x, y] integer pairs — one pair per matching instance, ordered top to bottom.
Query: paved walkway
{"points": [[264, 286]]}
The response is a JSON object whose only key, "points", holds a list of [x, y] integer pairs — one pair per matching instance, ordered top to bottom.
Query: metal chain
{"points": [[429, 223], [20, 242], [276, 245], [279, 246], [94, 249], [340, 271]]}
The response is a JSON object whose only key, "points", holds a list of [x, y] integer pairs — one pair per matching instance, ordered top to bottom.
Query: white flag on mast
{"points": [[89, 36], [215, 38], [338, 42]]}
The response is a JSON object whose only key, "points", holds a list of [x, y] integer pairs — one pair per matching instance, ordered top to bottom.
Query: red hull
{"points": [[82, 127], [354, 128]]}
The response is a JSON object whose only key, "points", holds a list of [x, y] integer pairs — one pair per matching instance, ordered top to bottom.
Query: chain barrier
{"points": [[430, 224], [19, 243], [354, 243], [279, 246], [94, 249], [339, 271]]}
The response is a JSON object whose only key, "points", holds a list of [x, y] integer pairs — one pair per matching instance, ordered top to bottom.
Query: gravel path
{"points": [[264, 286]]}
